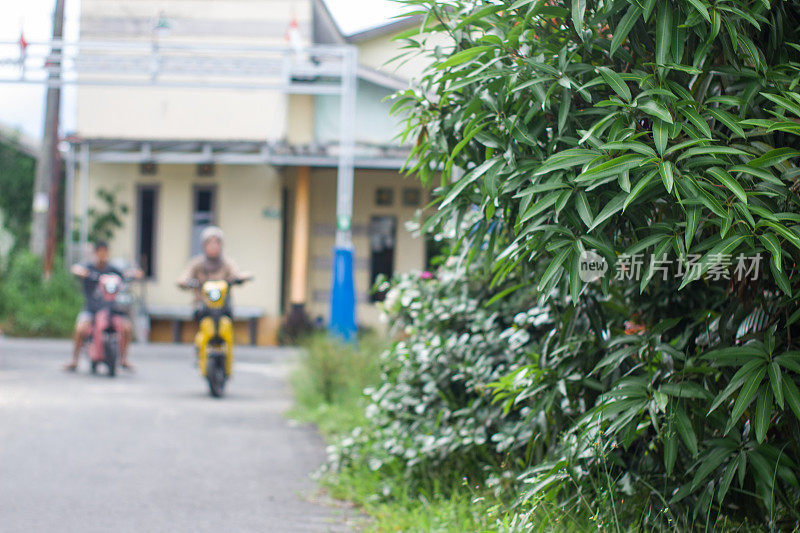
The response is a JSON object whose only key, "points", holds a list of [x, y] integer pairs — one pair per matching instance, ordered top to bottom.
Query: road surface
{"points": [[151, 451]]}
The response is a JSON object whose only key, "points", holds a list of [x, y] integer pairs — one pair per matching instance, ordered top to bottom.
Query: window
{"points": [[384, 196], [412, 197], [146, 211], [203, 214]]}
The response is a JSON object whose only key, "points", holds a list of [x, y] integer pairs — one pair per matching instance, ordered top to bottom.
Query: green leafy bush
{"points": [[668, 129], [31, 306], [433, 408]]}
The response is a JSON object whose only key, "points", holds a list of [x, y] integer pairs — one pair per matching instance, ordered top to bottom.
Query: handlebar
{"points": [[196, 284]]}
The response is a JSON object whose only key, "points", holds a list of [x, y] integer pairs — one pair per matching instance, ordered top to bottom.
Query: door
{"points": [[382, 238]]}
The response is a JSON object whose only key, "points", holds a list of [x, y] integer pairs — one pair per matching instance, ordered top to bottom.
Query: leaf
{"points": [[701, 8], [578, 9], [624, 27], [663, 32], [462, 56], [616, 83], [783, 102], [651, 107], [563, 111], [729, 120], [698, 121], [660, 135], [773, 157], [565, 159], [611, 168], [665, 168], [467, 179], [728, 181], [638, 188], [614, 205], [583, 208], [692, 220], [770, 242], [724, 247], [554, 267], [781, 279], [775, 380], [746, 395], [792, 397], [763, 412], [686, 430], [670, 451], [725, 482]]}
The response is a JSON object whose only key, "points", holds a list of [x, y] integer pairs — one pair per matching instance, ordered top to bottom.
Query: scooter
{"points": [[106, 326], [214, 339]]}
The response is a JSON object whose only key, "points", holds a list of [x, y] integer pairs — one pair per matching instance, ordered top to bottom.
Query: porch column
{"points": [[297, 321]]}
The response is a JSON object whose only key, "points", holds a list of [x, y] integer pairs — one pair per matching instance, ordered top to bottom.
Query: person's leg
{"points": [[101, 319], [83, 328], [124, 329]]}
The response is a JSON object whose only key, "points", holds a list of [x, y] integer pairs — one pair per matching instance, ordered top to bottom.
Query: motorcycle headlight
{"points": [[111, 287], [213, 295]]}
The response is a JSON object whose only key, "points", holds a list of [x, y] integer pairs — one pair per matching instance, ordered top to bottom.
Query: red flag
{"points": [[23, 44]]}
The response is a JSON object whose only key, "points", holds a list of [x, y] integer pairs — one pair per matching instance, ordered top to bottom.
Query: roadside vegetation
{"points": [[662, 395]]}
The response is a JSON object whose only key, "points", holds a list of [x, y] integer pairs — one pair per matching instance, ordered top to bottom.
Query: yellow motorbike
{"points": [[214, 339]]}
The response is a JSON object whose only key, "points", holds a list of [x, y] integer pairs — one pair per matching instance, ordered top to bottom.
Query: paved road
{"points": [[151, 451]]}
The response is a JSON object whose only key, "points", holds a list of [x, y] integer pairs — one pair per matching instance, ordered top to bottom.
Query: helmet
{"points": [[211, 232]]}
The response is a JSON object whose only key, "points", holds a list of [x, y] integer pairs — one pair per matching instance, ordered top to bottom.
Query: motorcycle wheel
{"points": [[112, 348], [94, 367], [216, 376]]}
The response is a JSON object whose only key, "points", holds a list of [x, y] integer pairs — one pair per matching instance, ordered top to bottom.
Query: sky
{"points": [[21, 106]]}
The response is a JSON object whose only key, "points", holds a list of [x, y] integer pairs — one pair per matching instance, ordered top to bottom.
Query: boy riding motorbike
{"points": [[90, 275]]}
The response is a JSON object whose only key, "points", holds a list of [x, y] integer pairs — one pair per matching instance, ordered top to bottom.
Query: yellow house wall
{"points": [[409, 250]]}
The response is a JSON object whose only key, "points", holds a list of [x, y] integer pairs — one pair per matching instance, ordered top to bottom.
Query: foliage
{"points": [[668, 129], [17, 172], [106, 219], [31, 306], [329, 381]]}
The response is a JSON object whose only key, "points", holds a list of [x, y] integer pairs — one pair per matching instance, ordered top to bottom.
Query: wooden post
{"points": [[300, 235], [297, 322]]}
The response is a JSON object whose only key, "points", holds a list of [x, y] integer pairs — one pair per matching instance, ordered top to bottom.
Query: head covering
{"points": [[211, 232]]}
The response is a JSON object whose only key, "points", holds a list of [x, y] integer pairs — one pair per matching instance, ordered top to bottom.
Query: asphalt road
{"points": [[151, 451]]}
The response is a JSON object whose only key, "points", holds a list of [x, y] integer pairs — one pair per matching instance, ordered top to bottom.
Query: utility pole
{"points": [[47, 169]]}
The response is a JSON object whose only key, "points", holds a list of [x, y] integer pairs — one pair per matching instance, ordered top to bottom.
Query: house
{"points": [[262, 164]]}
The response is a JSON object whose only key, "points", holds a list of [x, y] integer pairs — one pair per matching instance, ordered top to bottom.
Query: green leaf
{"points": [[701, 8], [578, 9], [624, 27], [663, 32], [462, 56], [616, 83], [783, 102], [651, 107], [563, 111], [729, 120], [698, 121], [660, 135], [773, 157], [565, 159], [611, 168], [665, 168], [469, 178], [728, 181], [638, 188], [614, 205], [583, 208], [534, 209], [692, 220], [771, 243], [723, 248], [554, 267], [781, 279], [575, 282], [775, 380], [746, 395], [792, 396], [763, 412], [684, 426], [670, 451]]}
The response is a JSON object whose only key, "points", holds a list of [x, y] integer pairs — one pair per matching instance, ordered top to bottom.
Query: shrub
{"points": [[661, 128], [31, 306]]}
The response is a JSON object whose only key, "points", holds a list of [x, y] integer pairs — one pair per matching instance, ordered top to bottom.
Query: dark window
{"points": [[384, 196], [412, 197], [147, 209], [203, 214], [382, 231]]}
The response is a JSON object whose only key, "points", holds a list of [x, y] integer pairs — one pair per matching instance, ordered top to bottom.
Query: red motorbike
{"points": [[109, 322]]}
